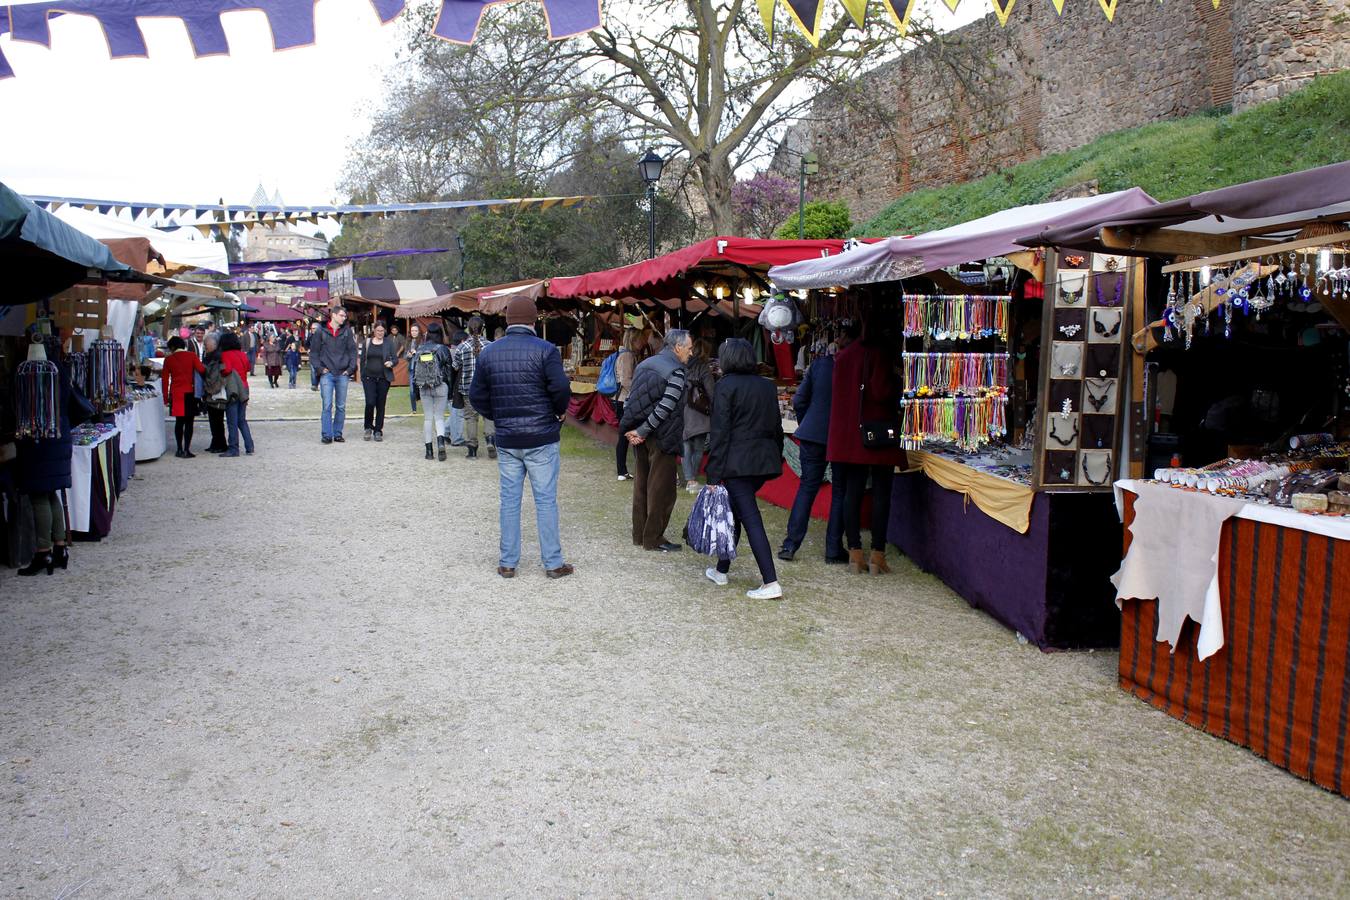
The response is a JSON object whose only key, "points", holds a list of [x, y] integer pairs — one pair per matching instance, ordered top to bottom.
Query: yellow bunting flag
{"points": [[952, 4], [1059, 6], [1109, 7], [1003, 9], [857, 11], [900, 12], [766, 15]]}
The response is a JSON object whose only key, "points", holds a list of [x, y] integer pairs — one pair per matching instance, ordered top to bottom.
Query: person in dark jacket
{"points": [[332, 351], [378, 356], [432, 374], [519, 384], [866, 388], [811, 403], [215, 408], [697, 413], [653, 424], [454, 425], [745, 450], [43, 469]]}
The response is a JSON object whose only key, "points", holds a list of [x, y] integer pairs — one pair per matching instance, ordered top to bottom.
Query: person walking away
{"points": [[248, 342], [309, 348], [333, 352], [410, 354], [290, 356], [378, 356], [233, 361], [272, 361], [463, 362], [623, 375], [432, 377], [178, 384], [519, 384], [865, 389], [212, 393], [811, 403], [697, 412], [653, 424], [455, 426], [745, 450], [43, 472]]}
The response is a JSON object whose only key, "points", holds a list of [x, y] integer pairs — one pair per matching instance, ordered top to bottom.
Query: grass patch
{"points": [[1173, 159]]}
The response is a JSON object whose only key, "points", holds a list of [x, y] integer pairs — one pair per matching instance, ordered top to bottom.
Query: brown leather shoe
{"points": [[856, 564], [877, 564], [506, 572], [561, 572]]}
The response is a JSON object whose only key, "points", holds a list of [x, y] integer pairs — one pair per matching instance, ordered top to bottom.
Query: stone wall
{"points": [[990, 97]]}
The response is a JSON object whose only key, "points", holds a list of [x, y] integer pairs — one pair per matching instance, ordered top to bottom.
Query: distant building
{"points": [[279, 241]]}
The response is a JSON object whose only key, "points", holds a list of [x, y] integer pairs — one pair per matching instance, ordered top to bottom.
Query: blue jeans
{"points": [[293, 370], [333, 390], [412, 391], [236, 419], [456, 426], [542, 465], [813, 477], [745, 511]]}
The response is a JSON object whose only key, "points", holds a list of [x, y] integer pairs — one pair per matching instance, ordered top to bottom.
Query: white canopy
{"points": [[182, 248]]}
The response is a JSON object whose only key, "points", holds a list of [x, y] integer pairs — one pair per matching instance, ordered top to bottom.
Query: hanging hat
{"points": [[521, 311]]}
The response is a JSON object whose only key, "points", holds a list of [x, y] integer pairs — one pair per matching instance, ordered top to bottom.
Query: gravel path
{"points": [[297, 674]]}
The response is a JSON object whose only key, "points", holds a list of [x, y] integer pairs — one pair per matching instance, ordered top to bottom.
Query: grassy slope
{"points": [[1168, 160]]}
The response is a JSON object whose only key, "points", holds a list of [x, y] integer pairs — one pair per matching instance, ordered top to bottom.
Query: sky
{"points": [[174, 129]]}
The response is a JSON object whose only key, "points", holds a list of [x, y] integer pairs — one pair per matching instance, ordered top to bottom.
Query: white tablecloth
{"points": [[151, 442], [81, 477], [1174, 553]]}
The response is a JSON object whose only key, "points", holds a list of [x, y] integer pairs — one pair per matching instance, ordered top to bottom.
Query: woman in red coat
{"points": [[233, 360], [178, 386], [866, 389]]}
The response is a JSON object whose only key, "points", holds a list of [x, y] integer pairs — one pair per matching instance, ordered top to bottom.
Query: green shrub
{"points": [[824, 219]]}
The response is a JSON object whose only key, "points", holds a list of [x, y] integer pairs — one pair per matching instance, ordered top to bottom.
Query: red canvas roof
{"points": [[748, 252]]}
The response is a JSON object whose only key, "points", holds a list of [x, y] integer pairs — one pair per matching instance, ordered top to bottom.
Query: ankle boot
{"points": [[440, 448], [472, 453], [429, 456], [61, 556], [41, 560], [856, 564], [877, 564]]}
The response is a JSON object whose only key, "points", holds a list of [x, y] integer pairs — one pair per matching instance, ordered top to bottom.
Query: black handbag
{"points": [[877, 434]]}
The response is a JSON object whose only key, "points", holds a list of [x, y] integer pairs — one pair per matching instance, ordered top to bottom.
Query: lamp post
{"points": [[810, 165], [649, 167]]}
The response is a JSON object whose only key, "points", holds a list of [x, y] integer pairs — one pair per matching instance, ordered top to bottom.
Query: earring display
{"points": [[1106, 325], [1066, 360]]}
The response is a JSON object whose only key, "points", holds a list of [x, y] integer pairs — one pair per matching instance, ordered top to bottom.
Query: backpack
{"points": [[427, 373], [608, 383]]}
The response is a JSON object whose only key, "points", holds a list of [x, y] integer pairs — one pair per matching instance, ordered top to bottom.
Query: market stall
{"points": [[1011, 408], [1235, 582]]}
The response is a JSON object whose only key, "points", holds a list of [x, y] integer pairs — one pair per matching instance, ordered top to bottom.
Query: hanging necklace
{"points": [[1072, 296], [1115, 299], [1098, 327], [1102, 385], [1062, 441], [1106, 472]]}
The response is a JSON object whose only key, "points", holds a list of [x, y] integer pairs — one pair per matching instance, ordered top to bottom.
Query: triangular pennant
{"points": [[1216, 3], [952, 4], [1059, 6], [1109, 7], [1003, 9], [857, 11], [900, 12], [766, 16], [806, 16], [573, 201], [550, 203], [136, 212], [205, 230]]}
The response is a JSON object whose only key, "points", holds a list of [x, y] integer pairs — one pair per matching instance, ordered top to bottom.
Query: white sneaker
{"points": [[625, 477], [692, 487], [715, 576], [770, 591]]}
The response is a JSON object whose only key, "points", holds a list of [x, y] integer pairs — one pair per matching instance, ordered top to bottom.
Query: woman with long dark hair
{"points": [[376, 365], [745, 450]]}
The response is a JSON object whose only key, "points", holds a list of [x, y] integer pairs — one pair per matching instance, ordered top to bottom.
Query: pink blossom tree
{"points": [[760, 204]]}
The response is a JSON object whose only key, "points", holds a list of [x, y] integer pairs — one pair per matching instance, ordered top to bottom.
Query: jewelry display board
{"points": [[1083, 364]]}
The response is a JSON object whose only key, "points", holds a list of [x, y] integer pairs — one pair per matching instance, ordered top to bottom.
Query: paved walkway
{"points": [[297, 674]]}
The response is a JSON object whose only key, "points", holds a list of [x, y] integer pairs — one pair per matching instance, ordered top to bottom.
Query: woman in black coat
{"points": [[745, 449], [44, 471]]}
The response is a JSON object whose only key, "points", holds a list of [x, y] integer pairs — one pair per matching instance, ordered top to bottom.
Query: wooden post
{"points": [[1138, 416]]}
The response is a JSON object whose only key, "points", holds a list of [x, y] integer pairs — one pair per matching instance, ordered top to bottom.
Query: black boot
{"points": [[492, 447], [440, 448], [472, 453], [429, 456], [61, 556], [41, 560]]}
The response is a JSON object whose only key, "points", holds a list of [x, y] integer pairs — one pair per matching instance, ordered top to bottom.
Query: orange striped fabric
{"points": [[1280, 685]]}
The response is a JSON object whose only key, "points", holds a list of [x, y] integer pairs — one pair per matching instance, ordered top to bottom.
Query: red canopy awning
{"points": [[747, 252]]}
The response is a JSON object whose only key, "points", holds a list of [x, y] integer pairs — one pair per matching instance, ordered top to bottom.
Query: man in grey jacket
{"points": [[332, 352], [653, 424]]}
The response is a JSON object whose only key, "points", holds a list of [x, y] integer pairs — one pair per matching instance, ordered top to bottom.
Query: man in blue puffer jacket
{"points": [[519, 384]]}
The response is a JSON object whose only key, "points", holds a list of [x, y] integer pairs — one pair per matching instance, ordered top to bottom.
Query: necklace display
{"points": [[1071, 288], [1115, 297], [957, 317], [1099, 328], [1067, 359], [954, 373], [1098, 402], [969, 422], [1057, 438], [1106, 472]]}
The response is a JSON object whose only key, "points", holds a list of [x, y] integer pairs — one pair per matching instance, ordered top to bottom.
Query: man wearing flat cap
{"points": [[519, 384]]}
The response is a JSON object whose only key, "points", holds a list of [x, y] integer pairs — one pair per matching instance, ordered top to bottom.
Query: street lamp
{"points": [[810, 165], [649, 167]]}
